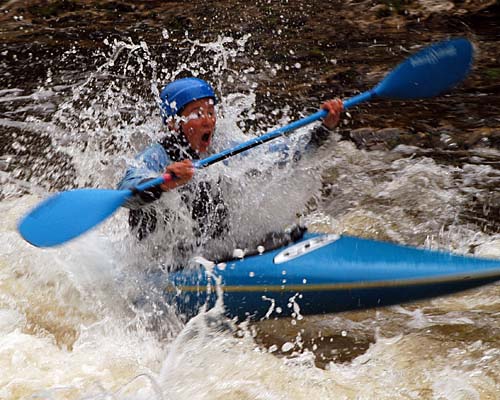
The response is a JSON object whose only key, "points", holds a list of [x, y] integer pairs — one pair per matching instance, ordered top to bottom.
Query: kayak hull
{"points": [[323, 274]]}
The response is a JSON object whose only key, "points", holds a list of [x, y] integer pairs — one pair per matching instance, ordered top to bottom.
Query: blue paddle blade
{"points": [[429, 72], [67, 215]]}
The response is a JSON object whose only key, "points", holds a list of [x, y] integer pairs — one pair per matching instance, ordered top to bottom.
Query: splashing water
{"points": [[82, 291], [81, 322]]}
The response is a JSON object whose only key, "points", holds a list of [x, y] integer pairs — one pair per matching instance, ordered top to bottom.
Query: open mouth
{"points": [[206, 137]]}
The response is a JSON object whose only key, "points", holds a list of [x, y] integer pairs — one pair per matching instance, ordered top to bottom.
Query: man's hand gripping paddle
{"points": [[69, 214]]}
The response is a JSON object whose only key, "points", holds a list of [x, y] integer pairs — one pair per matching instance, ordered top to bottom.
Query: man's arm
{"points": [[320, 134], [149, 164]]}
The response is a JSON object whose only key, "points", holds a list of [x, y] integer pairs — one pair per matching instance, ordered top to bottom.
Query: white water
{"points": [[70, 324]]}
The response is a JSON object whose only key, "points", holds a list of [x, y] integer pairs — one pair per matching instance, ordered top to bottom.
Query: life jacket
{"points": [[203, 199]]}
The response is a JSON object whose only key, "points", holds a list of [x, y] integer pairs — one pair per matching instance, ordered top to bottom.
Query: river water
{"points": [[70, 323]]}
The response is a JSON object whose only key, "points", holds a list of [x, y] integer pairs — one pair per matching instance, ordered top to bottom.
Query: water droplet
{"points": [[238, 253], [222, 266], [287, 347], [272, 348]]}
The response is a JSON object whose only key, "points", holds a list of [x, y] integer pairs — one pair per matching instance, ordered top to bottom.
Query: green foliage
{"points": [[397, 6], [316, 53], [493, 73]]}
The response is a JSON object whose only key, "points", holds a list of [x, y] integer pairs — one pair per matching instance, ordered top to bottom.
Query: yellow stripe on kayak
{"points": [[338, 286]]}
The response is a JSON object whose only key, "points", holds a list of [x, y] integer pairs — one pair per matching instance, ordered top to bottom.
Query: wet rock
{"points": [[437, 6], [342, 50], [448, 137], [477, 137], [484, 137], [377, 139], [30, 156]]}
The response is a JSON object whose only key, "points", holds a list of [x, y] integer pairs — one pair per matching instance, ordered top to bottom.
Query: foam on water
{"points": [[64, 321], [80, 322]]}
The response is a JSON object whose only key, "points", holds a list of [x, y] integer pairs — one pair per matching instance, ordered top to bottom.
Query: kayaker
{"points": [[188, 112]]}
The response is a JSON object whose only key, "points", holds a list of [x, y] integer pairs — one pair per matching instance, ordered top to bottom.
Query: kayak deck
{"points": [[325, 274]]}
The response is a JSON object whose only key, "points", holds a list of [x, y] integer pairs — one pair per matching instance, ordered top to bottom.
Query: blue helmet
{"points": [[176, 95]]}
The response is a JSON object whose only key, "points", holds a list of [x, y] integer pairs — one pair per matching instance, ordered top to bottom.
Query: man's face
{"points": [[198, 123]]}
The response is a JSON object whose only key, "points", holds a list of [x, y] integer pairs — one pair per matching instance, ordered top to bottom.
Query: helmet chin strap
{"points": [[175, 127], [182, 137], [177, 146]]}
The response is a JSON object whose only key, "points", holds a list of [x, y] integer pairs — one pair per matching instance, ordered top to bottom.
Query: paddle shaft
{"points": [[425, 74], [365, 96], [249, 144]]}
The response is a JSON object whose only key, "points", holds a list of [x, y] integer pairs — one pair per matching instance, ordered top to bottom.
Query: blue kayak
{"points": [[322, 274]]}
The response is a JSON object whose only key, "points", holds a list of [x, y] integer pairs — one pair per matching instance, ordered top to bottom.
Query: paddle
{"points": [[67, 215]]}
